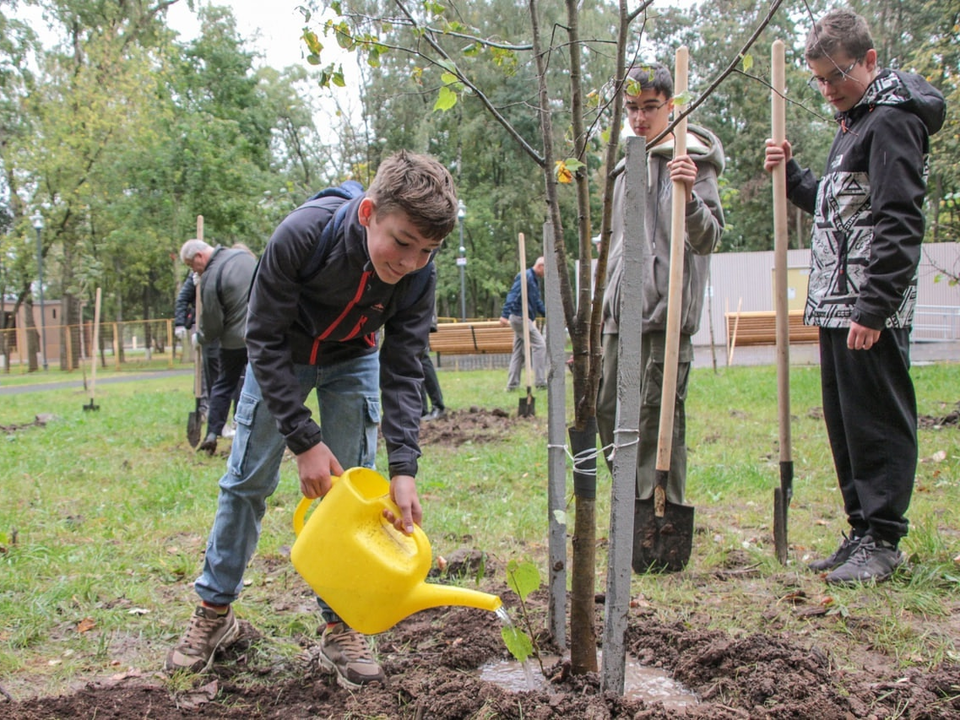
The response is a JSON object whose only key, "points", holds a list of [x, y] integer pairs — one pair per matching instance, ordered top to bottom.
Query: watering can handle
{"points": [[301, 512], [419, 537]]}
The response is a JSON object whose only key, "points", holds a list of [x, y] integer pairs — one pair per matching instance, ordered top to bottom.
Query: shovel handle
{"points": [[780, 242], [668, 399]]}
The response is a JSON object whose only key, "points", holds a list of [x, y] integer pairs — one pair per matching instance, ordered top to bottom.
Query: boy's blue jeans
{"points": [[348, 395]]}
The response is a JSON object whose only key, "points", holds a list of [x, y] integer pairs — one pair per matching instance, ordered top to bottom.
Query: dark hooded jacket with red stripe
{"points": [[333, 316]]}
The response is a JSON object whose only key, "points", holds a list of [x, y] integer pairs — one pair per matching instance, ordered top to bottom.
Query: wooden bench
{"points": [[760, 328], [471, 338]]}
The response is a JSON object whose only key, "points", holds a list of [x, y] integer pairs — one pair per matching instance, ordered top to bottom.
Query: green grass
{"points": [[104, 517]]}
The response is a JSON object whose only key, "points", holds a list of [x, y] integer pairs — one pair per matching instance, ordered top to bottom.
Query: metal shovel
{"points": [[93, 355], [528, 405], [195, 418], [783, 494], [663, 530]]}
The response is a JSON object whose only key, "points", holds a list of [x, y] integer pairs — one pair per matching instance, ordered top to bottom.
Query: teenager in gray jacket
{"points": [[648, 102]]}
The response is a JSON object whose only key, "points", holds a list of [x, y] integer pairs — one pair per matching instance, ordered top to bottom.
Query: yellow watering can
{"points": [[369, 573]]}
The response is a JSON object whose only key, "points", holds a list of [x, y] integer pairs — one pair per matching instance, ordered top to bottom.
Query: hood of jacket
{"points": [[907, 91], [702, 146]]}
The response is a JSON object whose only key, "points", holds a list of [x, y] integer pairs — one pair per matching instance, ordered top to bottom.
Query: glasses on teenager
{"points": [[816, 82], [648, 109]]}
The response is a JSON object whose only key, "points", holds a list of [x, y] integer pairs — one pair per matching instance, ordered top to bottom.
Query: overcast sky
{"points": [[272, 28]]}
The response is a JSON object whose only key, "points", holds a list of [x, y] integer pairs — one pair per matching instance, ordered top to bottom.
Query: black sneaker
{"points": [[435, 414], [209, 444], [847, 547], [874, 560], [206, 633], [345, 652]]}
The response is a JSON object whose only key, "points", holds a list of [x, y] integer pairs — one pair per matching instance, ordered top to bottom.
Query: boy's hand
{"points": [[776, 154], [684, 170], [861, 337], [315, 466], [403, 491]]}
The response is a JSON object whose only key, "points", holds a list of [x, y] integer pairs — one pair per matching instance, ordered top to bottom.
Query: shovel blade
{"points": [[91, 405], [527, 407], [194, 426], [780, 526], [661, 544]]}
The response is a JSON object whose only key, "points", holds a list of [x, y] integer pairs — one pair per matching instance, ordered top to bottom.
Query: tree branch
{"points": [[484, 100]]}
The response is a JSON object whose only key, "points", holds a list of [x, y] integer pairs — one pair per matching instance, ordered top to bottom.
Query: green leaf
{"points": [[312, 42], [747, 62], [449, 78], [446, 99], [681, 99], [573, 164], [560, 517], [523, 577], [517, 642]]}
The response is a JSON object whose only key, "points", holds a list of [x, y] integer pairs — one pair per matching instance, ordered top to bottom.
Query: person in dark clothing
{"points": [[865, 251], [225, 275], [332, 275], [512, 315], [185, 326], [430, 392]]}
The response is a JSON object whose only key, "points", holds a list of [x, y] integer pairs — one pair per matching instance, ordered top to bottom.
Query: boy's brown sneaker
{"points": [[848, 546], [206, 633], [345, 652]]}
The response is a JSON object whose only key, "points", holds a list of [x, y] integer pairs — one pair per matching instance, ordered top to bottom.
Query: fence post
{"points": [[116, 346]]}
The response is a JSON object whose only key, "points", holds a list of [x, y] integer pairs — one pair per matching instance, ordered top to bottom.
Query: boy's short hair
{"points": [[838, 30], [648, 76], [421, 188], [190, 249]]}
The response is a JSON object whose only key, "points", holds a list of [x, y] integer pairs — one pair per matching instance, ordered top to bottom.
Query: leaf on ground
{"points": [[86, 625], [201, 696]]}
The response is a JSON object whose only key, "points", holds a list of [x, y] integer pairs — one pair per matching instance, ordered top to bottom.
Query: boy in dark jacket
{"points": [[867, 229], [314, 325]]}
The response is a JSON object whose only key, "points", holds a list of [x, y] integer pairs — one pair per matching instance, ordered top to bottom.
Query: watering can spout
{"points": [[426, 596]]}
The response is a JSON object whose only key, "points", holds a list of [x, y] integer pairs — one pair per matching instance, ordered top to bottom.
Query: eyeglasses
{"points": [[816, 82], [646, 110]]}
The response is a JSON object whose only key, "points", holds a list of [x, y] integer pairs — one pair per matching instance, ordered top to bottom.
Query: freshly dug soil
{"points": [[431, 661]]}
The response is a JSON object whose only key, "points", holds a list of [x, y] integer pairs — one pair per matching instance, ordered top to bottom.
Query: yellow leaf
{"points": [[86, 625]]}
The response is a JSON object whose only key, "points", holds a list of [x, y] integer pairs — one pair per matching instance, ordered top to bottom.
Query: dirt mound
{"points": [[949, 419], [474, 425]]}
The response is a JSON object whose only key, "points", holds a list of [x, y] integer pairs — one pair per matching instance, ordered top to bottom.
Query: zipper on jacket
{"points": [[326, 333]]}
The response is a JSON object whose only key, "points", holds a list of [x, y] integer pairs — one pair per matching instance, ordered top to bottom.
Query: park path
{"points": [[62, 385]]}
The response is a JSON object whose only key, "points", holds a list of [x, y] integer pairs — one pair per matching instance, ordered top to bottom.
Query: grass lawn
{"points": [[104, 516]]}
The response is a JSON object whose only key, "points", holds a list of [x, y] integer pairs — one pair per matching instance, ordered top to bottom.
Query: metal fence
{"points": [[22, 348]]}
